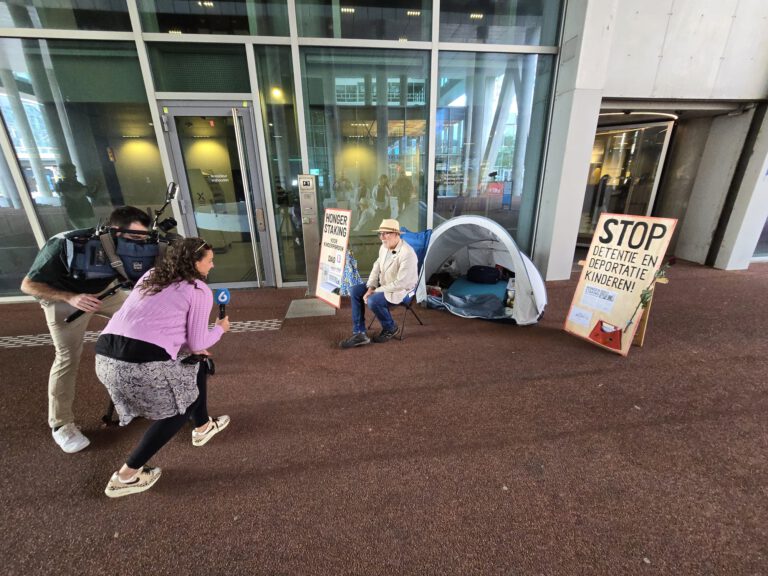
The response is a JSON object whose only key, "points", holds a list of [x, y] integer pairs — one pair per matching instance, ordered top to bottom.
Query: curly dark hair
{"points": [[178, 265]]}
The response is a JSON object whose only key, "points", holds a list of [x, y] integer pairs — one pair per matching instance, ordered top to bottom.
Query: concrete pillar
{"points": [[588, 31], [716, 171], [750, 209]]}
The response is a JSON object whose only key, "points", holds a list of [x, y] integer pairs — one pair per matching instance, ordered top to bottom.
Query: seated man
{"points": [[394, 274]]}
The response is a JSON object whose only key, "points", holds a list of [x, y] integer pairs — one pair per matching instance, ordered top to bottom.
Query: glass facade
{"points": [[109, 15], [241, 17], [402, 21], [532, 22], [198, 67], [278, 107], [366, 115], [78, 118], [491, 121], [80, 125], [623, 173], [17, 243], [761, 250]]}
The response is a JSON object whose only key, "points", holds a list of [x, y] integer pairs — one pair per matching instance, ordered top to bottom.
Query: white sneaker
{"points": [[70, 439]]}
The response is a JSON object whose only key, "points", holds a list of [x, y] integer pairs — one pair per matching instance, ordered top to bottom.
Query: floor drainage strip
{"points": [[92, 336]]}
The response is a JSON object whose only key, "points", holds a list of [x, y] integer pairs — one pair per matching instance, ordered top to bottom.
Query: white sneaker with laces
{"points": [[70, 439]]}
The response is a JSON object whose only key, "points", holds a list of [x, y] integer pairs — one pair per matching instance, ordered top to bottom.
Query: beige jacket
{"points": [[395, 274]]}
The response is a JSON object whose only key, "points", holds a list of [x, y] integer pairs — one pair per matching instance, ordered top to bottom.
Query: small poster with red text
{"points": [[333, 255], [624, 258]]}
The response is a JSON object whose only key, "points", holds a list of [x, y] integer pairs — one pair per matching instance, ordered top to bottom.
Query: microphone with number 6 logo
{"points": [[222, 297]]}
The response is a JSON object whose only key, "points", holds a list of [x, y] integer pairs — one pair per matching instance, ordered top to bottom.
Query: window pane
{"points": [[65, 14], [248, 17], [410, 20], [532, 22], [199, 68], [279, 112], [367, 114], [491, 121], [80, 125], [623, 171], [17, 243], [762, 244]]}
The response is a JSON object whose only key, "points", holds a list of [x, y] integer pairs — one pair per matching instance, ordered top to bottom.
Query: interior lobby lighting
{"points": [[205, 3], [347, 10], [413, 13], [476, 16], [174, 31], [277, 93], [640, 113], [665, 114]]}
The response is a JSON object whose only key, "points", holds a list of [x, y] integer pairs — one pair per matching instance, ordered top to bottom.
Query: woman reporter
{"points": [[137, 359]]}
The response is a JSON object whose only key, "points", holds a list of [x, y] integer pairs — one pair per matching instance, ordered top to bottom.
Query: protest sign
{"points": [[333, 255], [624, 257]]}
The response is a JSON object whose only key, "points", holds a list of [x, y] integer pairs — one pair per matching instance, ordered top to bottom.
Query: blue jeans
{"points": [[376, 302]]}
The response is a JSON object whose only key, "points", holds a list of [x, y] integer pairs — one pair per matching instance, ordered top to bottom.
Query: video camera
{"points": [[102, 253]]}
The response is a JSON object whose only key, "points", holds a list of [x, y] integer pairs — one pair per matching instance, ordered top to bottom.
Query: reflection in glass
{"points": [[65, 14], [244, 17], [402, 21], [529, 22], [198, 67], [279, 114], [366, 116], [78, 119], [491, 120], [623, 173], [215, 178], [17, 243], [761, 250]]}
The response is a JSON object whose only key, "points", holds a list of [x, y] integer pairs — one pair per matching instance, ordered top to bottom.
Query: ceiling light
{"points": [[347, 10], [413, 13], [476, 16], [639, 113], [665, 114]]}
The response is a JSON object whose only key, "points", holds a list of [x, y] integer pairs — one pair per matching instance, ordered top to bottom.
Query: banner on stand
{"points": [[333, 255], [624, 257]]}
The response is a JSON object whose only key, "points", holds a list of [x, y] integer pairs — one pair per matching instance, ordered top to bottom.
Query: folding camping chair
{"points": [[419, 241]]}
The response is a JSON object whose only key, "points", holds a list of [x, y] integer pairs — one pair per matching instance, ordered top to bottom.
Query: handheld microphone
{"points": [[223, 298]]}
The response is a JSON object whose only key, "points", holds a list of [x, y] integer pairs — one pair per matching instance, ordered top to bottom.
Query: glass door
{"points": [[623, 172], [222, 199]]}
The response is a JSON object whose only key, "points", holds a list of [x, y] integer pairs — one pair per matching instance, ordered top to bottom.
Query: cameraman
{"points": [[60, 294]]}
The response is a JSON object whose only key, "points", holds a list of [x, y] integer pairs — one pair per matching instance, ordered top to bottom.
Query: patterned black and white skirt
{"points": [[152, 390]]}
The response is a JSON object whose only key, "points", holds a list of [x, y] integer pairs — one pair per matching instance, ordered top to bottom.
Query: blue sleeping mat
{"points": [[463, 287]]}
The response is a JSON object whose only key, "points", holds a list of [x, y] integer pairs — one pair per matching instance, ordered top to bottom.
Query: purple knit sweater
{"points": [[174, 317]]}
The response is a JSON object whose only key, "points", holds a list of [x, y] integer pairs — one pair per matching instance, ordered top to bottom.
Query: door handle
{"points": [[261, 224]]}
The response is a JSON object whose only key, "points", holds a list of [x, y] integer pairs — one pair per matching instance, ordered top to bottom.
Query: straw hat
{"points": [[389, 225]]}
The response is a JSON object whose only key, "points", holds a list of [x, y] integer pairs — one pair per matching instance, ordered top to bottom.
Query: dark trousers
{"points": [[376, 302], [161, 431]]}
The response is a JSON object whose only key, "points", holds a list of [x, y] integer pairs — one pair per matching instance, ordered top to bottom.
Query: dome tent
{"points": [[476, 240]]}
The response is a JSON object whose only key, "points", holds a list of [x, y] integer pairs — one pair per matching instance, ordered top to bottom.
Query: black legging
{"points": [[161, 431]]}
